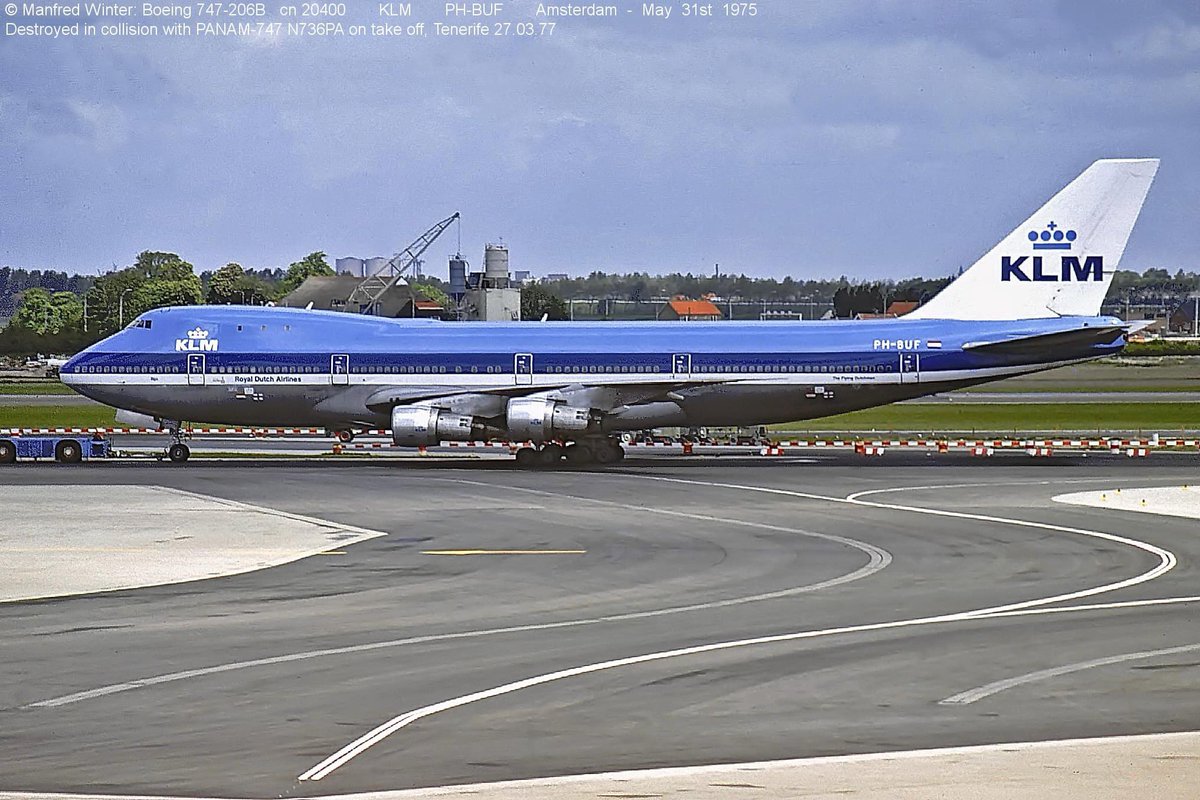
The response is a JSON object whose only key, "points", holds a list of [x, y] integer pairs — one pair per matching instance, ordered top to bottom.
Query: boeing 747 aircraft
{"points": [[1031, 303]]}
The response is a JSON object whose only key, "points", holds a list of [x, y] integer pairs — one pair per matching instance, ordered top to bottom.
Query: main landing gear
{"points": [[601, 451]]}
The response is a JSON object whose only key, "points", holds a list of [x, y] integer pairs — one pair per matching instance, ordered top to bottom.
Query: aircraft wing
{"points": [[1048, 341], [490, 402]]}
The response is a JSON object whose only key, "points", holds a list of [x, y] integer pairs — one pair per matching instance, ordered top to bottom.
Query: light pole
{"points": [[121, 308]]}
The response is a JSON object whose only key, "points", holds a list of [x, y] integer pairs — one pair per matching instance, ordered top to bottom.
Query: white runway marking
{"points": [[877, 559], [1167, 561], [987, 690], [381, 732]]}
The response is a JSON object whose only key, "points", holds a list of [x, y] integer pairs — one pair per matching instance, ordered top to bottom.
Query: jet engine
{"points": [[540, 419], [136, 420], [415, 426]]}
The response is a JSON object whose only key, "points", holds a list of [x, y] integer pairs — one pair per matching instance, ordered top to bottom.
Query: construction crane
{"points": [[373, 287]]}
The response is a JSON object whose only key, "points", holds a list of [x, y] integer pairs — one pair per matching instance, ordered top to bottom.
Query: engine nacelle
{"points": [[540, 419], [135, 420], [416, 426]]}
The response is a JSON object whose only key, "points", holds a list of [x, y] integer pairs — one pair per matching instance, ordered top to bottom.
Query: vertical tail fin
{"points": [[1061, 260]]}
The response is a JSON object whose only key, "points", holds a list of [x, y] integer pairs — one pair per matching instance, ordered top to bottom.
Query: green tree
{"points": [[313, 264], [154, 265], [155, 280], [223, 285], [233, 285], [163, 293], [434, 293], [538, 302], [49, 314]]}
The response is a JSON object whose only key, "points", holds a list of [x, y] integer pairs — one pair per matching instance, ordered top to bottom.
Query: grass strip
{"points": [[35, 387], [57, 417], [947, 418]]}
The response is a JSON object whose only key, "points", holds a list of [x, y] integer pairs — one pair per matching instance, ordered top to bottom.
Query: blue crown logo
{"points": [[1052, 238]]}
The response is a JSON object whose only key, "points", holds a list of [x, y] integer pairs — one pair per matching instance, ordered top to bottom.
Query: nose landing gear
{"points": [[178, 452]]}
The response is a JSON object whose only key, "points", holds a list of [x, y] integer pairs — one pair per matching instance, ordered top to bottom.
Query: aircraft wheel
{"points": [[345, 436], [8, 452], [68, 452], [179, 453], [606, 454], [550, 455], [578, 455], [527, 457]]}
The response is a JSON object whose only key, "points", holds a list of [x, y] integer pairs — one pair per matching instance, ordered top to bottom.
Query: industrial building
{"points": [[335, 293], [490, 295]]}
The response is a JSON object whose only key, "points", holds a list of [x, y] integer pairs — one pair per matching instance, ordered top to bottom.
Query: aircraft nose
{"points": [[71, 366], [73, 374]]}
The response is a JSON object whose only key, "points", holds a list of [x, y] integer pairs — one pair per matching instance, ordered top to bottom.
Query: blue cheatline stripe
{"points": [[553, 364]]}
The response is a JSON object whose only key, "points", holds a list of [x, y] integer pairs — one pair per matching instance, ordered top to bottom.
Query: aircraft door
{"points": [[681, 365], [910, 368], [195, 369], [339, 369], [523, 369]]}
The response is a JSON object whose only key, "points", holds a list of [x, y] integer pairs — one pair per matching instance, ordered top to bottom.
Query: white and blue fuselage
{"points": [[257, 366]]}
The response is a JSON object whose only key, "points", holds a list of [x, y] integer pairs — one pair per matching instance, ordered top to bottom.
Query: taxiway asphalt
{"points": [[694, 611]]}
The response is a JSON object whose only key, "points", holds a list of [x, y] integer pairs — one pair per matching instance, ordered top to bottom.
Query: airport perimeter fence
{"points": [[1133, 446]]}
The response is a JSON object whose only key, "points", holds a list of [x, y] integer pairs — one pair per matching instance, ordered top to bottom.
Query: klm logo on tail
{"points": [[1052, 238], [1025, 269]]}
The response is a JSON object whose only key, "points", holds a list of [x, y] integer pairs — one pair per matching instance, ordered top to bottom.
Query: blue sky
{"points": [[871, 139]]}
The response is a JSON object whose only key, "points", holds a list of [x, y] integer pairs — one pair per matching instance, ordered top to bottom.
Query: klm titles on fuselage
{"points": [[1032, 268], [197, 341]]}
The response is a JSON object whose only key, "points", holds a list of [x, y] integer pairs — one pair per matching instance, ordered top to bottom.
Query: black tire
{"points": [[345, 436], [8, 452], [68, 452], [618, 452], [179, 453], [606, 454], [550, 455], [578, 455], [527, 457]]}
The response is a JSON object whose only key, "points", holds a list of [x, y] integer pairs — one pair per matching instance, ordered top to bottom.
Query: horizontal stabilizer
{"points": [[1061, 340]]}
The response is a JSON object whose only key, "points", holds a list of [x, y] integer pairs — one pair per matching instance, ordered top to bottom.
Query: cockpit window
{"points": [[140, 323]]}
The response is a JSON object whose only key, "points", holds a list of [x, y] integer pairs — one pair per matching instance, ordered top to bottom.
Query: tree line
{"points": [[54, 312], [61, 316]]}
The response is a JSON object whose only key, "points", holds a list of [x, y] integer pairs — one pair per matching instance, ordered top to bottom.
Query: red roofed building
{"points": [[899, 308], [426, 309], [690, 310]]}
